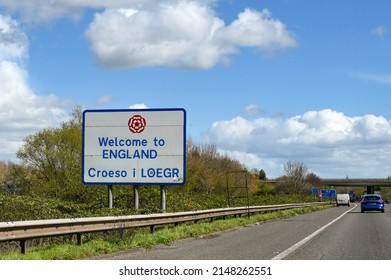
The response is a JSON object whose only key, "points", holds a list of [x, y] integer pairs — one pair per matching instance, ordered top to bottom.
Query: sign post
{"points": [[134, 147], [110, 195], [136, 197], [163, 198]]}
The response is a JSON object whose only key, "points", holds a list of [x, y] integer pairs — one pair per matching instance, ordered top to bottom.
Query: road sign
{"points": [[134, 147], [328, 193]]}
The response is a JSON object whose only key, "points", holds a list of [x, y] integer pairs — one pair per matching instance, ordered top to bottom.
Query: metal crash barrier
{"points": [[25, 230]]}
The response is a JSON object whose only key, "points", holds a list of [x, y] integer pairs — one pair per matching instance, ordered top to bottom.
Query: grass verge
{"points": [[141, 238]]}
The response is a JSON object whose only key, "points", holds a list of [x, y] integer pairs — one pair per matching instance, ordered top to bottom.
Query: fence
{"points": [[24, 230]]}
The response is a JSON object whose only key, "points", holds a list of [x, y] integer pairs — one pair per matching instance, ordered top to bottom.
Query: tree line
{"points": [[50, 166]]}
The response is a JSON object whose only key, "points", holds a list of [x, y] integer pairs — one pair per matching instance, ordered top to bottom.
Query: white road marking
{"points": [[296, 246]]}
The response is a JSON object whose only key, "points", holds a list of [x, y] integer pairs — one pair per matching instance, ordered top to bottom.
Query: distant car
{"points": [[352, 196], [343, 199], [372, 202]]}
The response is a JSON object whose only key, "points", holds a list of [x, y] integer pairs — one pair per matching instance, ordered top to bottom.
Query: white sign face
{"points": [[135, 147]]}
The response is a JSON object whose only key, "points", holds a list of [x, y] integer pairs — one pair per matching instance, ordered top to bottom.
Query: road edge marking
{"points": [[296, 246]]}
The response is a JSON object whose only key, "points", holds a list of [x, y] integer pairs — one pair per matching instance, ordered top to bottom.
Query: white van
{"points": [[343, 199]]}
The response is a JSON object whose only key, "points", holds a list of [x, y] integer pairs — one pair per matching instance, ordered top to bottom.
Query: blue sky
{"points": [[266, 81]]}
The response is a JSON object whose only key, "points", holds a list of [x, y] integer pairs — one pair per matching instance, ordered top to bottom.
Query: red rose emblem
{"points": [[137, 124]]}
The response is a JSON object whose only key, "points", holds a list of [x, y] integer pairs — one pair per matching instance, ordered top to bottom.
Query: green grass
{"points": [[141, 238]]}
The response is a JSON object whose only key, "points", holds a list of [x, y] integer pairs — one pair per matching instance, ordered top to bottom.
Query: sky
{"points": [[266, 81]]}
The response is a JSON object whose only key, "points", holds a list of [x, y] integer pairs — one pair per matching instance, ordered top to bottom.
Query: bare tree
{"points": [[295, 178], [313, 179]]}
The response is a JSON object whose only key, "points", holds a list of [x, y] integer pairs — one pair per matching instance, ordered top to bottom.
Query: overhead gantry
{"points": [[370, 183]]}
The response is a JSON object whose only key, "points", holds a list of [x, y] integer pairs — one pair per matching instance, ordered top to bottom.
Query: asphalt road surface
{"points": [[338, 233]]}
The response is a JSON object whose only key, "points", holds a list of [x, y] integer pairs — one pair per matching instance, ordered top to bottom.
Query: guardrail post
{"points": [[79, 239], [23, 246]]}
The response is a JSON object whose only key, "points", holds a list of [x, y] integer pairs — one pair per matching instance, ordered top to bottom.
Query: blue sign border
{"points": [[136, 110]]}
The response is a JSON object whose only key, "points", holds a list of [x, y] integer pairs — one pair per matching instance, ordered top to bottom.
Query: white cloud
{"points": [[40, 10], [44, 10], [258, 29], [379, 31], [176, 33], [183, 34], [179, 36], [13, 41], [373, 77], [104, 100], [138, 106], [252, 110], [22, 112], [329, 142], [254, 161]]}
